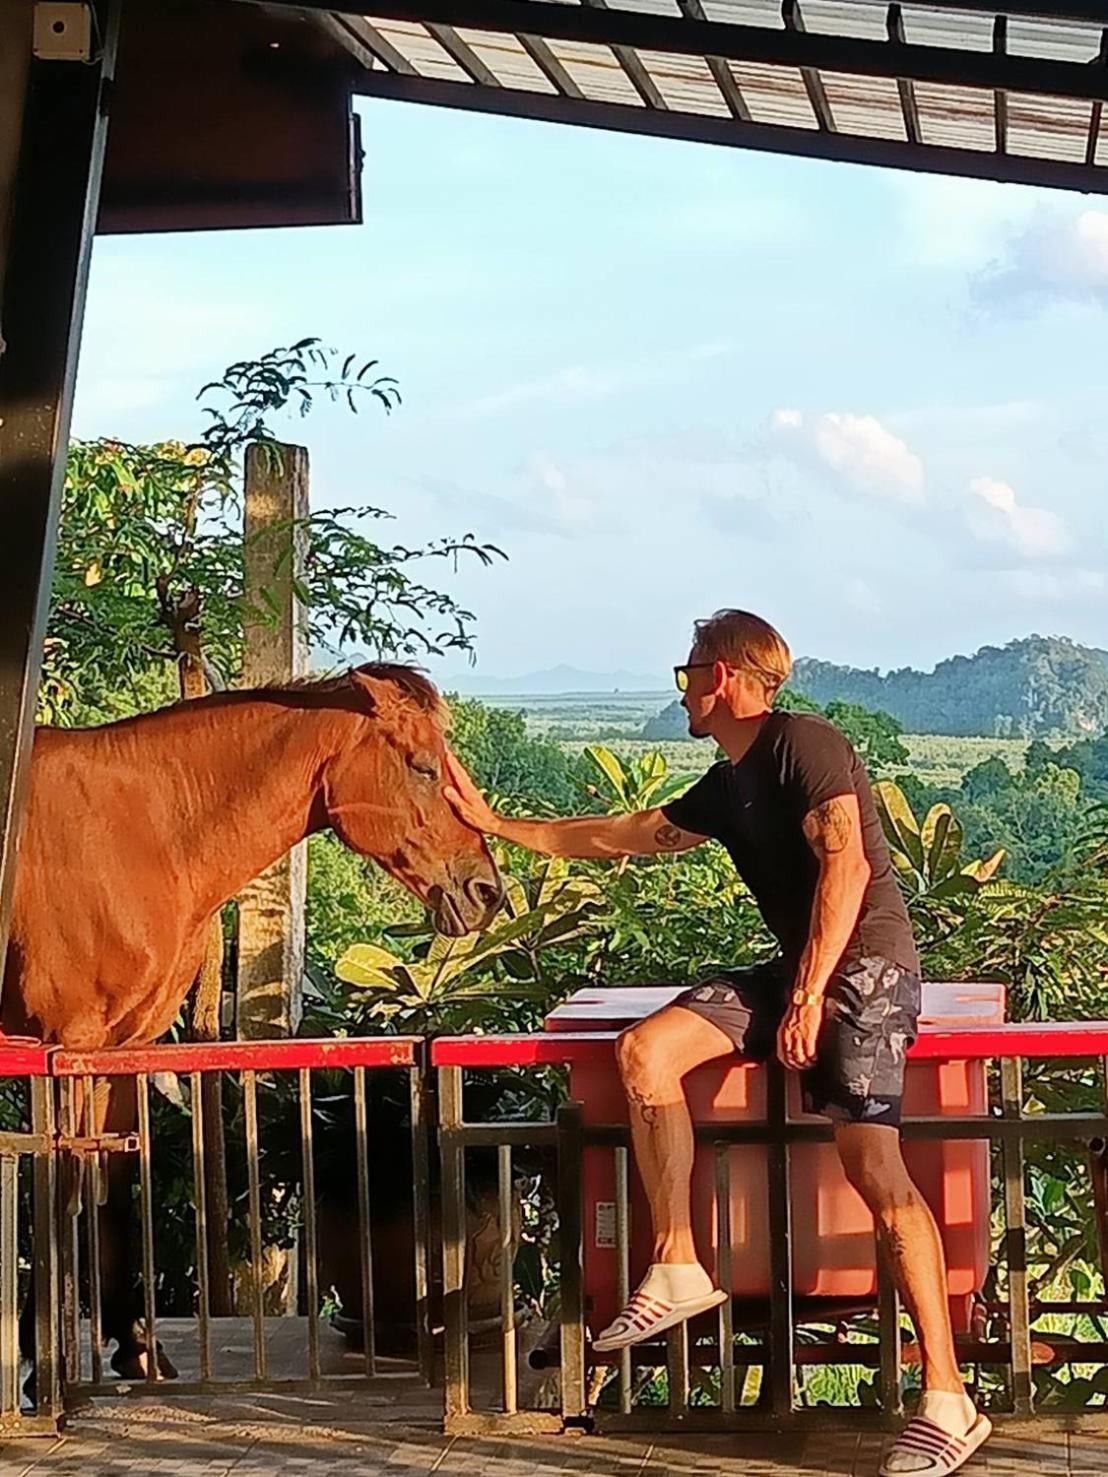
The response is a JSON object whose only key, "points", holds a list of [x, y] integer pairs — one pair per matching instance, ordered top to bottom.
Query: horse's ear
{"points": [[366, 690]]}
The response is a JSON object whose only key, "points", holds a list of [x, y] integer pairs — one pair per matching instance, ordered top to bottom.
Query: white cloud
{"points": [[951, 222], [1054, 258], [587, 383], [859, 449], [569, 507], [998, 515]]}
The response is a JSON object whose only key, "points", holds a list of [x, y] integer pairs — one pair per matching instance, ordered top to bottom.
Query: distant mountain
{"points": [[554, 682], [1039, 687], [1032, 688]]}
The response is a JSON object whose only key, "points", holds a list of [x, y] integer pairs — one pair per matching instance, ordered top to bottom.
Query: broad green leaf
{"points": [[610, 767], [901, 826], [941, 838], [366, 964]]}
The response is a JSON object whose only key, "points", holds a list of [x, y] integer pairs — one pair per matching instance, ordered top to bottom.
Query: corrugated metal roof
{"points": [[962, 87]]}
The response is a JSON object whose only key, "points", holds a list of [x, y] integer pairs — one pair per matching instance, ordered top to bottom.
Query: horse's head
{"points": [[383, 795]]}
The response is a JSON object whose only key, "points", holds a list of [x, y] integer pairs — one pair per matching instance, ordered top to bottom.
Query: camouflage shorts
{"points": [[870, 1018]]}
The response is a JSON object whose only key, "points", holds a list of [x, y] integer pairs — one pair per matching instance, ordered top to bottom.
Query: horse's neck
{"points": [[250, 776]]}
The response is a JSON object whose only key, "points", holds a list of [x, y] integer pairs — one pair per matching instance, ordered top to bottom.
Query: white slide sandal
{"points": [[645, 1316], [935, 1452]]}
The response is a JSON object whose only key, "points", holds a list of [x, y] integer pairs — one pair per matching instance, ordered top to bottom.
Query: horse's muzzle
{"points": [[471, 903]]}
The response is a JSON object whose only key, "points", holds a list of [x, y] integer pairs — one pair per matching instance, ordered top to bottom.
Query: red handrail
{"points": [[1063, 1039], [239, 1056], [23, 1058]]}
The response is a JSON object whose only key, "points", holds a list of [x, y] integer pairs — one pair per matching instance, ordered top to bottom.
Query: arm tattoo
{"points": [[832, 828], [668, 837]]}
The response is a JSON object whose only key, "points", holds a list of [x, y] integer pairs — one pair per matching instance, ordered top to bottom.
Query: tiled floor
{"points": [[391, 1429], [324, 1436]]}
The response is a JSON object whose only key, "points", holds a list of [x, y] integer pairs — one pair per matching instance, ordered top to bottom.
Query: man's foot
{"points": [[668, 1294], [939, 1439]]}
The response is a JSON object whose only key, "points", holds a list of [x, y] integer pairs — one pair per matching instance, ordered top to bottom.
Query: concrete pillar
{"points": [[271, 909]]}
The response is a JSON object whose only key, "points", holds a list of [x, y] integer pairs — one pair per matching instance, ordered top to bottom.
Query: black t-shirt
{"points": [[756, 808]]}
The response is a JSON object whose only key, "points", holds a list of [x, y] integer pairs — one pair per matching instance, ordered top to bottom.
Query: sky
{"points": [[665, 378]]}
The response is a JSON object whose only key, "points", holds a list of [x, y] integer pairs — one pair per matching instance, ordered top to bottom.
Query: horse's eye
{"points": [[426, 765]]}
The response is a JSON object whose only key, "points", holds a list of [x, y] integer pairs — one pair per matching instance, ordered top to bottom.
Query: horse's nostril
{"points": [[485, 895]]}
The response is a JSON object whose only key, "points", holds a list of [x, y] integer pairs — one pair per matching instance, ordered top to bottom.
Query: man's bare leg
{"points": [[653, 1058], [872, 1159]]}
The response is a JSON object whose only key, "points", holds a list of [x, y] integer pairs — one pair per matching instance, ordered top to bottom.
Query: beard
{"points": [[697, 730]]}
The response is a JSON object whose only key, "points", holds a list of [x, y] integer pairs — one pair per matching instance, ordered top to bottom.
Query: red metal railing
{"points": [[237, 1076], [219, 1087], [1010, 1126]]}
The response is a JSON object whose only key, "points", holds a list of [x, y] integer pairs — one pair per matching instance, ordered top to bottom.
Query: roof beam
{"points": [[894, 25], [641, 30], [365, 43], [462, 53], [549, 65], [633, 69], [721, 72], [813, 82], [1000, 97], [1098, 107], [770, 138]]}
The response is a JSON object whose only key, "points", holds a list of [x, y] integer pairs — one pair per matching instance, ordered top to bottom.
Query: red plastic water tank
{"points": [[833, 1250]]}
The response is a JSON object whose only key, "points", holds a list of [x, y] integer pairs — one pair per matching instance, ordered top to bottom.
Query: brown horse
{"points": [[137, 833]]}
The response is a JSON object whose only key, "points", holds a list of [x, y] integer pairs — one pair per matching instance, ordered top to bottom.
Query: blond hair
{"points": [[746, 642]]}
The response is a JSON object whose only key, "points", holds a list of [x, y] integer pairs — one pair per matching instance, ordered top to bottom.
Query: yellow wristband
{"points": [[805, 997]]}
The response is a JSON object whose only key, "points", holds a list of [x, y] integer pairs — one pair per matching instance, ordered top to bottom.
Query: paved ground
{"points": [[392, 1430], [351, 1436]]}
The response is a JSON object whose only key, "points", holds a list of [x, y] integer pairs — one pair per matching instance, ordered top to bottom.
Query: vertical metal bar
{"points": [[53, 183], [74, 1187], [254, 1191], [200, 1206], [146, 1209], [421, 1216], [45, 1227], [571, 1230], [365, 1234], [311, 1239], [1015, 1239], [92, 1241], [454, 1243], [780, 1249], [623, 1267], [723, 1278], [507, 1280], [9, 1286], [677, 1371], [889, 1383]]}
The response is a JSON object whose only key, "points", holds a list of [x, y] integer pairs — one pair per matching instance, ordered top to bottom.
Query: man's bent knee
{"points": [[642, 1062]]}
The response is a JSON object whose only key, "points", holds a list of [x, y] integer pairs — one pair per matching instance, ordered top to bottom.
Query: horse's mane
{"points": [[410, 680]]}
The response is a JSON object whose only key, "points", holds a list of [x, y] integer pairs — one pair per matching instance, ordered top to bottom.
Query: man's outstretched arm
{"points": [[642, 833]]}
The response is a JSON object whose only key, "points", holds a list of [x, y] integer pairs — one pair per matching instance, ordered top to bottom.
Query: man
{"points": [[840, 1003]]}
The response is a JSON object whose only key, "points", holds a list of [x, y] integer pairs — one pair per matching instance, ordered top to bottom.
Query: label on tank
{"points": [[605, 1233]]}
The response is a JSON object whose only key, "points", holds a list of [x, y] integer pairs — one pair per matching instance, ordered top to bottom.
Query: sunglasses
{"points": [[681, 674]]}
